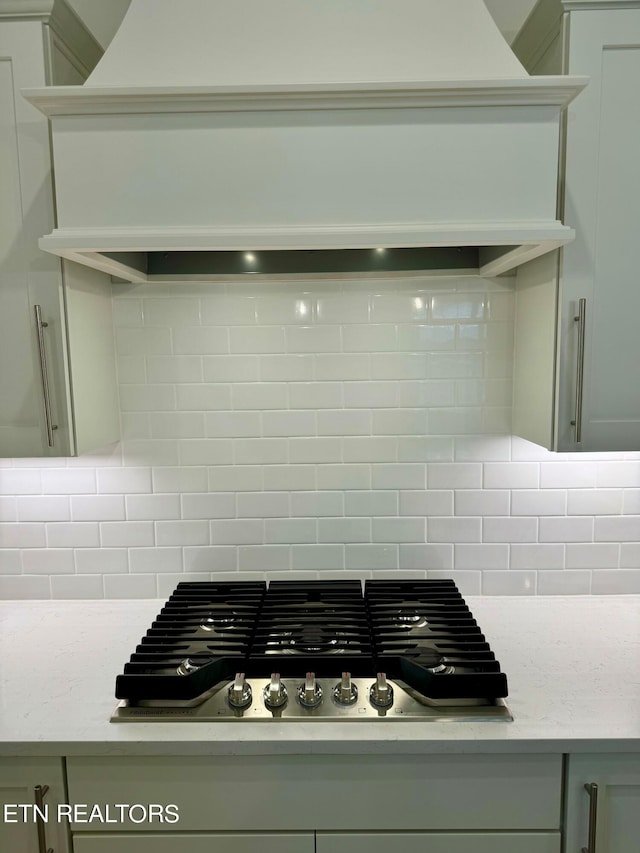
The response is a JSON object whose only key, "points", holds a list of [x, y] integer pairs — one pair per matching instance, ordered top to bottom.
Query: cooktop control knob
{"points": [[345, 692], [275, 693], [310, 693], [381, 693], [240, 694]]}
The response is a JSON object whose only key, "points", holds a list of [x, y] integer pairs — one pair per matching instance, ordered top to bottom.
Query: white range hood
{"points": [[218, 137]]}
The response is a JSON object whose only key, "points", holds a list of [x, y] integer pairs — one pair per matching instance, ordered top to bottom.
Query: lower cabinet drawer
{"points": [[326, 792], [215, 842], [439, 842]]}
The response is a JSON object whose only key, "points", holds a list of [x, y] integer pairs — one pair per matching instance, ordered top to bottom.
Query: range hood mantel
{"points": [[306, 126]]}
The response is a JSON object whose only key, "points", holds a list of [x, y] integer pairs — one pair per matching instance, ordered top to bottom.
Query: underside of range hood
{"points": [[306, 137]]}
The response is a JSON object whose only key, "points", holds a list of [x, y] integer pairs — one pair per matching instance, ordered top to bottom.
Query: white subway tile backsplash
{"points": [[343, 307], [372, 338], [256, 339], [313, 339], [200, 340], [337, 366], [231, 368], [286, 368], [315, 395], [199, 398], [318, 429], [458, 475], [343, 476], [67, 481], [120, 481], [482, 502], [317, 504], [263, 505], [39, 508], [95, 508], [399, 529], [510, 529], [569, 529], [622, 529], [290, 530], [344, 530], [454, 530], [126, 533], [182, 533], [75, 534], [22, 535], [592, 555], [629, 555], [481, 556], [539, 556], [314, 557], [371, 557], [427, 557], [219, 558], [266, 558], [154, 560], [10, 561], [47, 561], [101, 561], [615, 582], [509, 583], [564, 583], [130, 586], [76, 587]]}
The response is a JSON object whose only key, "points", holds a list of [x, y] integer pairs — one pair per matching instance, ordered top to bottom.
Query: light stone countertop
{"points": [[573, 666]]}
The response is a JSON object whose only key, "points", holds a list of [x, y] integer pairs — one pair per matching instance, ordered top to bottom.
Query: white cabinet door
{"points": [[602, 202], [560, 388], [75, 413], [18, 780], [617, 817], [214, 842], [439, 842]]}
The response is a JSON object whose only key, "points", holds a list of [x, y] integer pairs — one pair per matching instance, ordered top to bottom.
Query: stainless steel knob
{"points": [[345, 692], [240, 693], [275, 693], [310, 693], [381, 693]]}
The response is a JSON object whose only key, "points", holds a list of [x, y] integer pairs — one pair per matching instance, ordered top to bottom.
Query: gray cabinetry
{"points": [[577, 344], [57, 382]]}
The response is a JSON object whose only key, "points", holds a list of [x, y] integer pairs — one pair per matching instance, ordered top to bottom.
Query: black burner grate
{"points": [[419, 632]]}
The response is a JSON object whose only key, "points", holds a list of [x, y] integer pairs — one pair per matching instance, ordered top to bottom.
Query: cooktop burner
{"points": [[317, 650]]}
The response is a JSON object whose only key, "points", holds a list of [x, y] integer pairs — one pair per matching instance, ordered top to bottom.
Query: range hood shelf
{"points": [[327, 126]]}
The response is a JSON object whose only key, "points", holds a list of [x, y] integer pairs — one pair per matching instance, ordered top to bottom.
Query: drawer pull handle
{"points": [[580, 319], [44, 376], [592, 789], [40, 791]]}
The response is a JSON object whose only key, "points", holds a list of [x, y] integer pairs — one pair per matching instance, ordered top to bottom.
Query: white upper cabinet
{"points": [[577, 358], [57, 364]]}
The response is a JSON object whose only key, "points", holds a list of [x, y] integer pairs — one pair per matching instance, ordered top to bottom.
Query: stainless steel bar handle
{"points": [[580, 319], [40, 327], [592, 789], [40, 791]]}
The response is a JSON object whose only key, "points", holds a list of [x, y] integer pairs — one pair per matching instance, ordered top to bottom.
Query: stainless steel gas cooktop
{"points": [[313, 650]]}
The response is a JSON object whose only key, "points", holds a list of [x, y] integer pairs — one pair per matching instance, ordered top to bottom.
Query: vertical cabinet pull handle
{"points": [[580, 319], [40, 327], [592, 789], [40, 791]]}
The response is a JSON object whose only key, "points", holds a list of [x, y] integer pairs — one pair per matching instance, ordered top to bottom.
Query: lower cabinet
{"points": [[22, 782], [607, 818], [214, 842], [439, 842]]}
